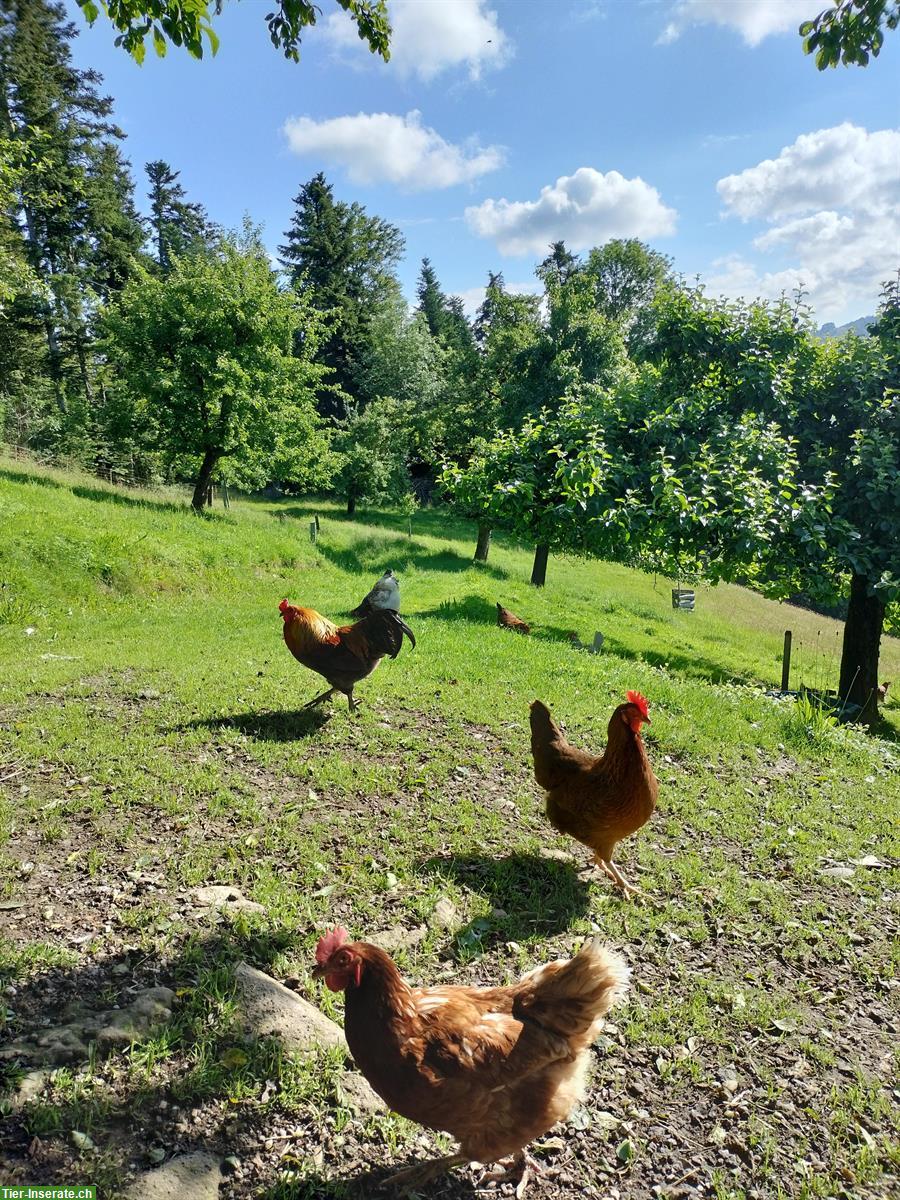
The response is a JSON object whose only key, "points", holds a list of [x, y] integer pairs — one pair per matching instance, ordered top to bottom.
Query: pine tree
{"points": [[73, 201], [178, 226], [344, 262], [432, 301]]}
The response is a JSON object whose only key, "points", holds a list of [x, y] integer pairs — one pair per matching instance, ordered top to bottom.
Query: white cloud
{"points": [[754, 20], [431, 36], [388, 148], [845, 167], [832, 204], [584, 209], [473, 297]]}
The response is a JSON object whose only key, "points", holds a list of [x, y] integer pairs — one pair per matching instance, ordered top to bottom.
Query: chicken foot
{"points": [[318, 699], [629, 890], [523, 1164], [424, 1172]]}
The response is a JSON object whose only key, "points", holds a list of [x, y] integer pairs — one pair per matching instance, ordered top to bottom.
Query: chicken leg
{"points": [[318, 699], [629, 891], [522, 1163], [424, 1172]]}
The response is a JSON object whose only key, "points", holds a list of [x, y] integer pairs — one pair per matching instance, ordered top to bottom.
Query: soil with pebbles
{"points": [[670, 1120]]}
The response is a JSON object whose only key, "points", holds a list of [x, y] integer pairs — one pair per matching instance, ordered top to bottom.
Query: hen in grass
{"points": [[508, 620], [342, 654], [597, 799], [494, 1067]]}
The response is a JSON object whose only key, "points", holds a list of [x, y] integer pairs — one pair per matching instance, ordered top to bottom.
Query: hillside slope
{"points": [[152, 741]]}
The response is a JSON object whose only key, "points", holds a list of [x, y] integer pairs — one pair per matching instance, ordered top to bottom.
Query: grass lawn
{"points": [[151, 740]]}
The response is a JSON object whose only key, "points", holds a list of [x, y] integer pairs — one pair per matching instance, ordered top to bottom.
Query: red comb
{"points": [[283, 606], [638, 700], [329, 943]]}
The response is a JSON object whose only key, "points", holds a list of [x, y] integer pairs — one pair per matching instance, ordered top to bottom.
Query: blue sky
{"points": [[501, 125]]}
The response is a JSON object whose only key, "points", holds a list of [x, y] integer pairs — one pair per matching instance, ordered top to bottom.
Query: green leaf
{"points": [[212, 37], [159, 43]]}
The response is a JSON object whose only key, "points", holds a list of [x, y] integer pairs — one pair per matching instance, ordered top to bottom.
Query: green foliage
{"points": [[188, 22], [850, 32], [72, 214], [178, 226], [343, 261], [626, 276], [17, 277], [205, 355], [371, 445]]}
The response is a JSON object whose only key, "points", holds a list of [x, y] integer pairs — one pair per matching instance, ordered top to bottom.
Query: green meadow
{"points": [[152, 740]]}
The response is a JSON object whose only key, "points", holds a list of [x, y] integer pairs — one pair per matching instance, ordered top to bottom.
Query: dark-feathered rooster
{"points": [[342, 654]]}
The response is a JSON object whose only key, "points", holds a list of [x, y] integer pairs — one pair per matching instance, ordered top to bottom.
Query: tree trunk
{"points": [[54, 357], [201, 487], [351, 503], [484, 543], [539, 570], [859, 654]]}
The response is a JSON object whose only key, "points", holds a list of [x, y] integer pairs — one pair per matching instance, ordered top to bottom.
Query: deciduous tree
{"points": [[206, 353]]}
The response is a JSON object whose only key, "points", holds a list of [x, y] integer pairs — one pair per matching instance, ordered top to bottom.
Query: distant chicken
{"points": [[385, 594], [508, 620], [342, 654], [882, 691], [598, 800], [494, 1067]]}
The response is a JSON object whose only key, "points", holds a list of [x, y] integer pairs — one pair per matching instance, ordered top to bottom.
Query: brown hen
{"points": [[509, 620], [597, 799], [494, 1067]]}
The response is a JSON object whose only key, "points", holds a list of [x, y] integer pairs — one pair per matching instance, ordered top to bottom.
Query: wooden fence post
{"points": [[786, 662]]}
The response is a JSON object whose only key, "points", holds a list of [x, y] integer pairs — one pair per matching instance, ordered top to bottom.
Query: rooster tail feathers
{"points": [[404, 628], [384, 631]]}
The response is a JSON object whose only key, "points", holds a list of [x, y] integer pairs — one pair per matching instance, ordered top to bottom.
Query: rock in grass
{"points": [[219, 897], [398, 937], [267, 1009], [108, 1030], [357, 1094], [188, 1177]]}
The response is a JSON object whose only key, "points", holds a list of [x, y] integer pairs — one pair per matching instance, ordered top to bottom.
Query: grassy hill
{"points": [[151, 740]]}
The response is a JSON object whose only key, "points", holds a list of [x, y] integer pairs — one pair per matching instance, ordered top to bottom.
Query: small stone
{"points": [[445, 914], [156, 1154], [188, 1177]]}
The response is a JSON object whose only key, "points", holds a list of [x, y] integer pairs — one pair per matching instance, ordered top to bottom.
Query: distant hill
{"points": [[860, 327]]}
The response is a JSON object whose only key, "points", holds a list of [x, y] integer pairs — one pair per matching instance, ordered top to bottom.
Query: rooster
{"points": [[385, 594], [508, 620], [342, 654], [882, 691], [598, 800], [494, 1067]]}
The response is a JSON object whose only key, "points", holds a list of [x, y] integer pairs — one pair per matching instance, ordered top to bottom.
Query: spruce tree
{"points": [[73, 199], [178, 227], [343, 261]]}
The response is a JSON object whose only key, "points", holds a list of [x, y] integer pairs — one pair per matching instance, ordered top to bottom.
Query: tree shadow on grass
{"points": [[84, 492], [377, 555], [471, 608], [695, 666], [285, 726], [536, 897]]}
